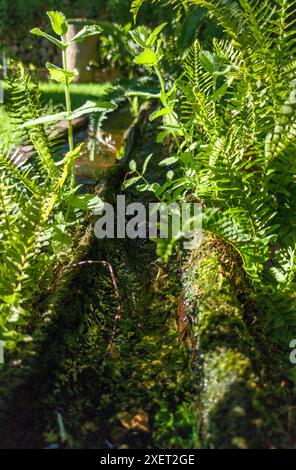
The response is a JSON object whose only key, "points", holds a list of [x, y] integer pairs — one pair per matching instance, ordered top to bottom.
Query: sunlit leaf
{"points": [[58, 22], [87, 31], [38, 32], [152, 38], [147, 57], [61, 75], [89, 107], [160, 113], [168, 161], [146, 163], [133, 165], [130, 182], [86, 202]]}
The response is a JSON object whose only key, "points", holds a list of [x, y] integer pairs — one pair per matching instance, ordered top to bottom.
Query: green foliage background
{"points": [[29, 13]]}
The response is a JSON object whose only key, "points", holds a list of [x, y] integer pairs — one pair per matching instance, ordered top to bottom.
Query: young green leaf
{"points": [[58, 22], [87, 31], [38, 32], [139, 35], [152, 38], [147, 57], [209, 61], [61, 75], [91, 107], [88, 108], [160, 113], [49, 119], [161, 136], [168, 161], [146, 163], [133, 165], [130, 182], [154, 188], [86, 202]]}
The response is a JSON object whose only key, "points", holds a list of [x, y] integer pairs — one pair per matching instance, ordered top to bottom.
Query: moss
{"points": [[220, 314], [240, 393], [138, 395]]}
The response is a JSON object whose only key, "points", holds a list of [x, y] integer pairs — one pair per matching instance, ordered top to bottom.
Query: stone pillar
{"points": [[79, 55]]}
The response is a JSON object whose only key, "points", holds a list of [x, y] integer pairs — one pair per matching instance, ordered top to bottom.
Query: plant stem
{"points": [[162, 84], [214, 91], [164, 97], [69, 111], [148, 184]]}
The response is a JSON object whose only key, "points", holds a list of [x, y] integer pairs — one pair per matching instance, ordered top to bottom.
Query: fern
{"points": [[137, 4], [22, 93], [115, 95], [238, 125], [23, 175], [29, 193]]}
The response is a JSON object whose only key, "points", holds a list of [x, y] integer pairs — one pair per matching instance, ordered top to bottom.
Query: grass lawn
{"points": [[54, 92], [80, 93], [4, 120], [6, 128]]}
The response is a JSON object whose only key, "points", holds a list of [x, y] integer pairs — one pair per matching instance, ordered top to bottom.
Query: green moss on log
{"points": [[243, 401]]}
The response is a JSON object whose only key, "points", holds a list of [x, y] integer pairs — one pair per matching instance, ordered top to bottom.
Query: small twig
{"points": [[118, 315]]}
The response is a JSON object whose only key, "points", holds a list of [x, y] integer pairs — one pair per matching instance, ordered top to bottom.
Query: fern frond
{"points": [[136, 5], [227, 15], [284, 28], [115, 95], [23, 104], [284, 133], [21, 175], [29, 193], [7, 207], [22, 247]]}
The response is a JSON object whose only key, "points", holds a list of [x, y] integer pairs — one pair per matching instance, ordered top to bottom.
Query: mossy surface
{"points": [[141, 393], [144, 393], [244, 400]]}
